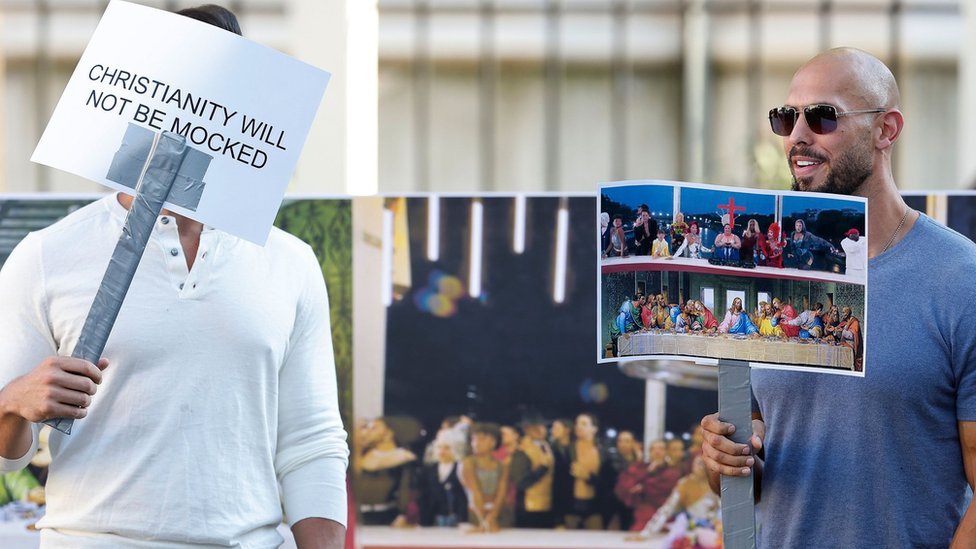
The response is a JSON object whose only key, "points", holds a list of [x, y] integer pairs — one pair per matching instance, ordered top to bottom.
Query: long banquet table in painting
{"points": [[702, 266], [763, 349]]}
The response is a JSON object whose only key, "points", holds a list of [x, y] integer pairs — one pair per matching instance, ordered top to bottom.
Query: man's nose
{"points": [[801, 131]]}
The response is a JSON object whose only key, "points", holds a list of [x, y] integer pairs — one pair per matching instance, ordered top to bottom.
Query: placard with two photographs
{"points": [[702, 272]]}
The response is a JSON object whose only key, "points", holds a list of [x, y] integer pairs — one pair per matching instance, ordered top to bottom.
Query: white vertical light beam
{"points": [[433, 227], [518, 233], [562, 253], [474, 270], [387, 274]]}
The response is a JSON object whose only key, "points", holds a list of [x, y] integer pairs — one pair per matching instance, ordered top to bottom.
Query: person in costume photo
{"points": [[645, 230], [678, 230], [616, 242], [752, 242], [691, 245], [727, 245], [801, 245], [772, 247], [659, 248], [855, 252]]}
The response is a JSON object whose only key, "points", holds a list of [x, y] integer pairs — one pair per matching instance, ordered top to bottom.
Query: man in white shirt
{"points": [[856, 252], [216, 386]]}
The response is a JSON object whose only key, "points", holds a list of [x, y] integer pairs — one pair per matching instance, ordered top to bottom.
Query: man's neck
{"points": [[887, 210], [181, 220], [189, 230]]}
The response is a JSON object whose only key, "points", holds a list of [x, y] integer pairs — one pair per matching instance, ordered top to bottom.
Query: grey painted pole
{"points": [[163, 165], [735, 407]]}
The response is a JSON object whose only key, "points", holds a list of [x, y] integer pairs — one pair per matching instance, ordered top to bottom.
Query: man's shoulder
{"points": [[84, 218], [937, 231], [64, 238], [284, 243], [958, 251], [946, 279]]}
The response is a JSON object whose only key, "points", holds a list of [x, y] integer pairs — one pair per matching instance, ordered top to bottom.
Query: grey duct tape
{"points": [[129, 160], [150, 194], [735, 407]]}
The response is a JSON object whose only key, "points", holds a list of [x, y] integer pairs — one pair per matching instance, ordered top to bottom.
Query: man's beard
{"points": [[846, 174]]}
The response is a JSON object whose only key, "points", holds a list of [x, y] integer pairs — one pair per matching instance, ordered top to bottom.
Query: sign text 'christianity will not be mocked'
{"points": [[186, 102]]}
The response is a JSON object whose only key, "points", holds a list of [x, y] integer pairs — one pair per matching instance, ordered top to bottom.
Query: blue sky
{"points": [[657, 197], [703, 200], [697, 201], [792, 204]]}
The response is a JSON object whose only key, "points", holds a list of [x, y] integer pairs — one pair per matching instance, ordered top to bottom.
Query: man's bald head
{"points": [[862, 76], [854, 151]]}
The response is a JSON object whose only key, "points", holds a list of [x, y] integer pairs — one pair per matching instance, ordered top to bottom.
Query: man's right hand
{"points": [[58, 387], [724, 457]]}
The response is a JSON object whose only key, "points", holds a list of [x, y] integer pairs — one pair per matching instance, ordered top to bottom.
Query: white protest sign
{"points": [[246, 106]]}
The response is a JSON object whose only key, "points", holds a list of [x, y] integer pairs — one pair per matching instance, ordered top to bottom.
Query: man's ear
{"points": [[890, 126]]}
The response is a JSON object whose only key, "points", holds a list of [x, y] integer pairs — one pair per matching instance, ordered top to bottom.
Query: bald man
{"points": [[884, 460]]}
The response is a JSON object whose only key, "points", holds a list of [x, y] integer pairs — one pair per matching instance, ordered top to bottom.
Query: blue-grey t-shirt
{"points": [[876, 462]]}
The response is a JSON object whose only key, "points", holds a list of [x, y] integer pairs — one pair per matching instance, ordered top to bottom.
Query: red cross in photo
{"points": [[732, 208]]}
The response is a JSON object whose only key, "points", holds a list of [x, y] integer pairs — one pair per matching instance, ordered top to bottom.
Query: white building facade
{"points": [[542, 95]]}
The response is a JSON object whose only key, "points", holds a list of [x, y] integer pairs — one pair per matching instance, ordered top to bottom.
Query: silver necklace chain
{"points": [[897, 230]]}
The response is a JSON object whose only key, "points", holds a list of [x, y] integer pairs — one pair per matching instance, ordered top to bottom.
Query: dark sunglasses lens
{"points": [[821, 118], [781, 120]]}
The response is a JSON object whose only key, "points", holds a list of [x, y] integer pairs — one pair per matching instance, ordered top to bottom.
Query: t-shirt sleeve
{"points": [[27, 337], [963, 349], [312, 453]]}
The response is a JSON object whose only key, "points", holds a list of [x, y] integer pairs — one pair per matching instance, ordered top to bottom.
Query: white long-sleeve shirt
{"points": [[856, 253], [221, 385]]}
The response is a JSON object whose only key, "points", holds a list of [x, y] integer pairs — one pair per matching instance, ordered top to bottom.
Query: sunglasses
{"points": [[821, 118]]}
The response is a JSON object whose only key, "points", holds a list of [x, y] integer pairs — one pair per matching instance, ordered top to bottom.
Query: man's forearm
{"points": [[15, 433], [715, 482], [319, 533]]}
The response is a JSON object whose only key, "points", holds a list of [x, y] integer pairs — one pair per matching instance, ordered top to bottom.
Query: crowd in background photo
{"points": [[561, 473]]}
